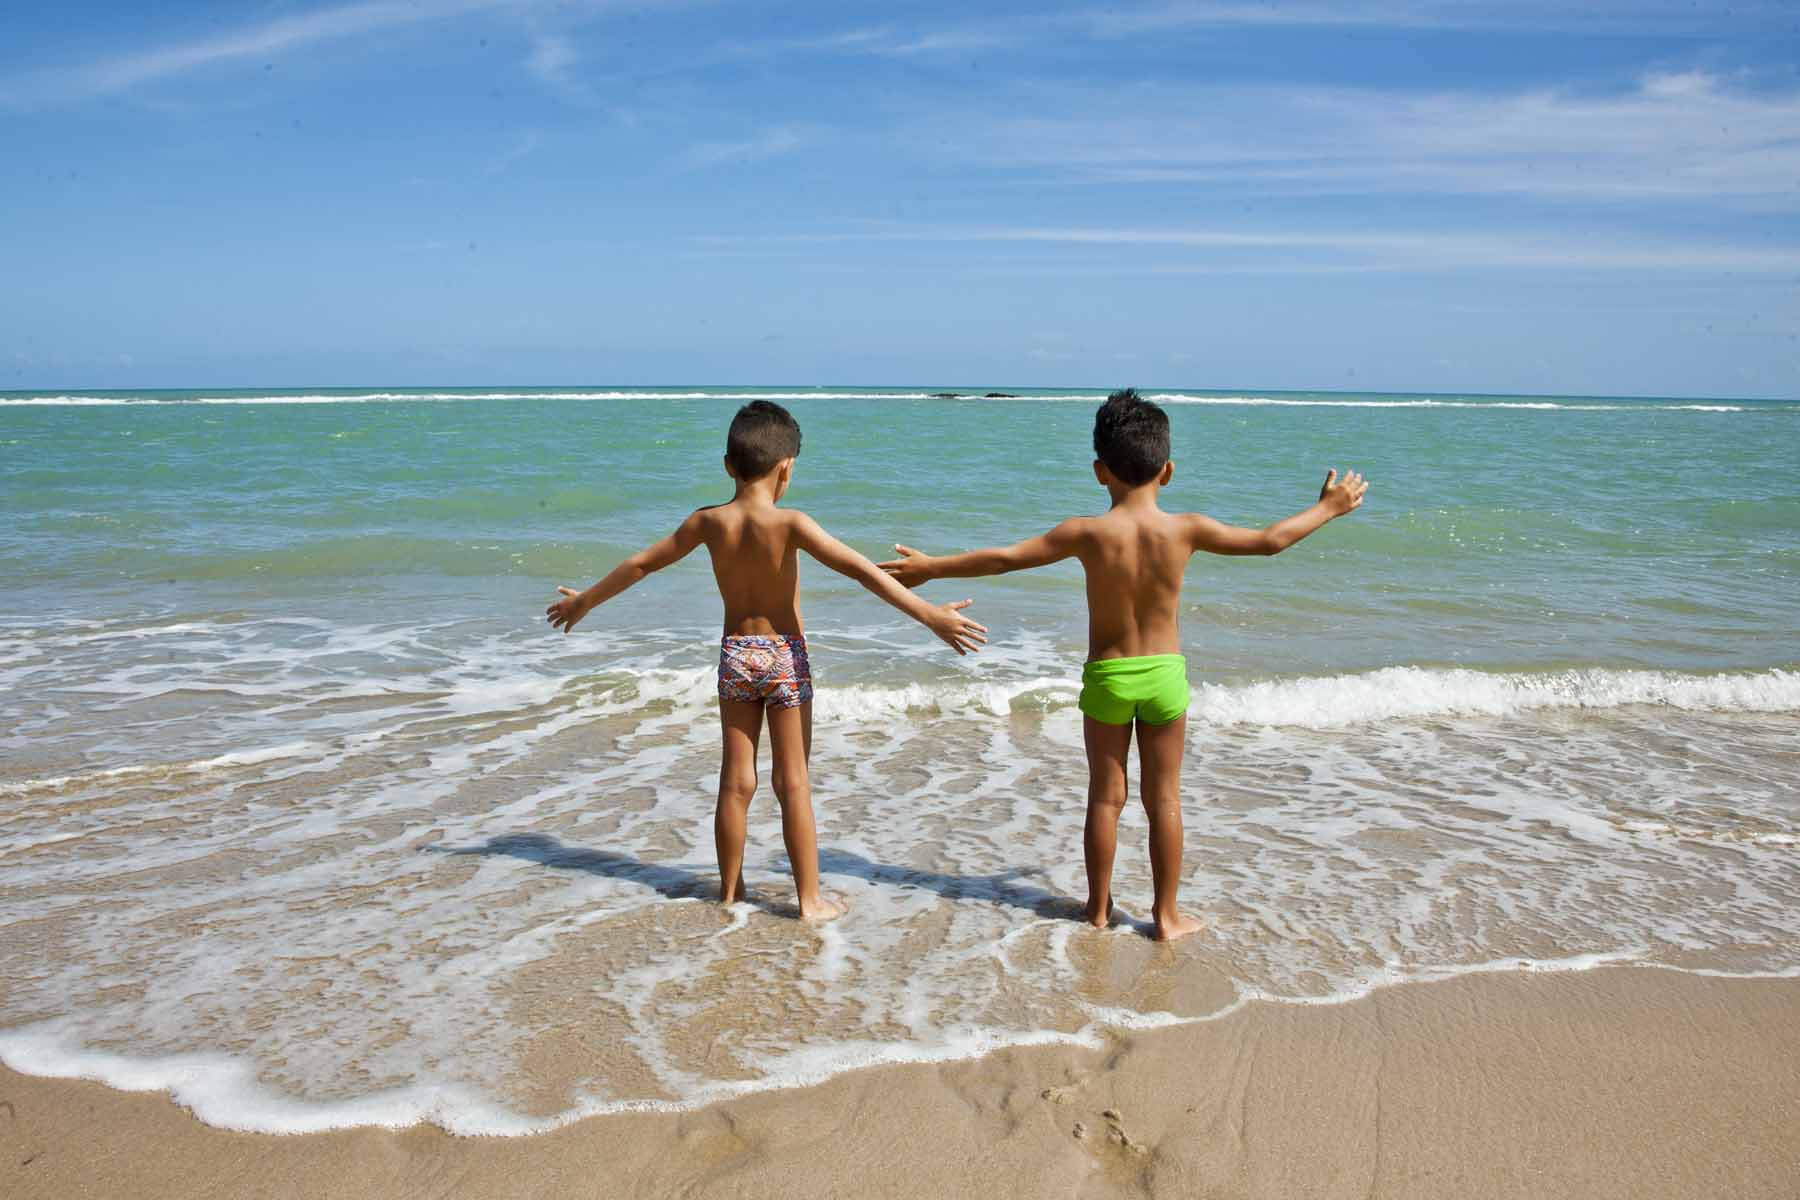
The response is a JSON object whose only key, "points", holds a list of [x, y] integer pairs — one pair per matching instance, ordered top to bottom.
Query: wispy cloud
{"points": [[1631, 17], [1049, 25], [269, 40], [892, 41], [952, 41], [551, 54], [551, 57], [552, 60], [1673, 136], [767, 143], [526, 144], [1325, 250]]}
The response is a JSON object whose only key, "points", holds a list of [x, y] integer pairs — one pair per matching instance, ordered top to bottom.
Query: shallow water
{"points": [[306, 814]]}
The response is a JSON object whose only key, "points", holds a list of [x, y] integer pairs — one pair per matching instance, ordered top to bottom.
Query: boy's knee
{"points": [[788, 783], [737, 787], [1107, 798], [1161, 808]]}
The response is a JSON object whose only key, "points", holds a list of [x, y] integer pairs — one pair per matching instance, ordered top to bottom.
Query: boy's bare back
{"points": [[755, 551], [1134, 557]]}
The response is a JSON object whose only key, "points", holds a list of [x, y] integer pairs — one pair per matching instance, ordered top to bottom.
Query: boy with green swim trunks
{"points": [[1134, 555]]}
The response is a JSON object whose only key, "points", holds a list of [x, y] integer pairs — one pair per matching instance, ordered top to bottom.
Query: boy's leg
{"points": [[742, 725], [790, 731], [1160, 748], [1107, 749]]}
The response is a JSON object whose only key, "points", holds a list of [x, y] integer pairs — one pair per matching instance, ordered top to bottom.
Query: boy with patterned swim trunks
{"points": [[1134, 556], [763, 669]]}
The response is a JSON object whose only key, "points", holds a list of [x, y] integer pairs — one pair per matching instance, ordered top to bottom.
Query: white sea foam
{"points": [[397, 397], [1252, 401], [1408, 402], [1428, 402], [1414, 693], [1390, 694], [1314, 702], [117, 774], [448, 843], [223, 1092]]}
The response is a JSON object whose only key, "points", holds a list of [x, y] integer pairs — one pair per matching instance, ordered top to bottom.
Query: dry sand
{"points": [[1615, 1082]]}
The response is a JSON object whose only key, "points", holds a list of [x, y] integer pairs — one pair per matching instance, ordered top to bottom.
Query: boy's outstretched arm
{"points": [[1336, 498], [913, 568], [575, 605], [946, 620]]}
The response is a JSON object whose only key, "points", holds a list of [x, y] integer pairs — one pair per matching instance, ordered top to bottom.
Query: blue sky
{"points": [[1507, 196]]}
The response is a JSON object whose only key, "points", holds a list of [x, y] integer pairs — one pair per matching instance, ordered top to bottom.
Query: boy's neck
{"points": [[757, 491], [1141, 496]]}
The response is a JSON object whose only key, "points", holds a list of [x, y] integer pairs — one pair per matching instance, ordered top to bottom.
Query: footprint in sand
{"points": [[1115, 1133]]}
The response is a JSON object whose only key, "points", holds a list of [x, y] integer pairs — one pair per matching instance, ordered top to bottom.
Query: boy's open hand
{"points": [[1344, 494], [911, 569], [565, 612], [963, 635]]}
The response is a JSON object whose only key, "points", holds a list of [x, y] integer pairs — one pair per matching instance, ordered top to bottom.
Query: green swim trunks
{"points": [[1153, 689]]}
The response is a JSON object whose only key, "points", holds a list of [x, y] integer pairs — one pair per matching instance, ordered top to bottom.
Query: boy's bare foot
{"points": [[737, 895], [824, 908], [1092, 914], [1176, 927]]}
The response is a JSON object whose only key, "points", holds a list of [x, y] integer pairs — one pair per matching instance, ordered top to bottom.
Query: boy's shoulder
{"points": [[790, 516], [705, 517], [769, 517], [1120, 522], [1074, 531]]}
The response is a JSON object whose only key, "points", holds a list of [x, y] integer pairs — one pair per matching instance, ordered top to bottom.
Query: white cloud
{"points": [[1633, 17], [268, 40], [879, 41], [950, 41], [551, 57], [550, 61], [1674, 136], [767, 143], [526, 144], [1325, 250]]}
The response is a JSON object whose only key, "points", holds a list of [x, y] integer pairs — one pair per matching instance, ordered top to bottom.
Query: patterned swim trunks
{"points": [[772, 671]]}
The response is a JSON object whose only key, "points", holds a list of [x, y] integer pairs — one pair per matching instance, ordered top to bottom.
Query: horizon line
{"points": [[963, 391]]}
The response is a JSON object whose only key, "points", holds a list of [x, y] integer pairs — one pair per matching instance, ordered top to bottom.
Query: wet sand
{"points": [[1622, 1082]]}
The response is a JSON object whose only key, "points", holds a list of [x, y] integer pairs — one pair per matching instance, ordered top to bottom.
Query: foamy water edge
{"points": [[220, 1091]]}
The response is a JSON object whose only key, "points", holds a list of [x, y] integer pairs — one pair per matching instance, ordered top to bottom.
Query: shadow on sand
{"points": [[678, 883], [1001, 888]]}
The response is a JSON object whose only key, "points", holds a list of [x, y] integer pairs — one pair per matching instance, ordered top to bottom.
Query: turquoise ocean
{"points": [[307, 817]]}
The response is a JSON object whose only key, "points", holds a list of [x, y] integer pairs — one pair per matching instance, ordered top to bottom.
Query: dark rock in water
{"points": [[946, 395], [1000, 396]]}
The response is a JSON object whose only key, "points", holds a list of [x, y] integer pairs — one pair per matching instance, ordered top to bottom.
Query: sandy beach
{"points": [[1366, 434], [400, 893], [1611, 1082]]}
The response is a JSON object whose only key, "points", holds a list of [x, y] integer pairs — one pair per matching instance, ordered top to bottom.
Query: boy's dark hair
{"points": [[762, 434], [1131, 436]]}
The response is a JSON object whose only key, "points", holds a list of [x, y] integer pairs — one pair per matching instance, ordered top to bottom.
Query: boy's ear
{"points": [[726, 459], [1168, 473], [1102, 474]]}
